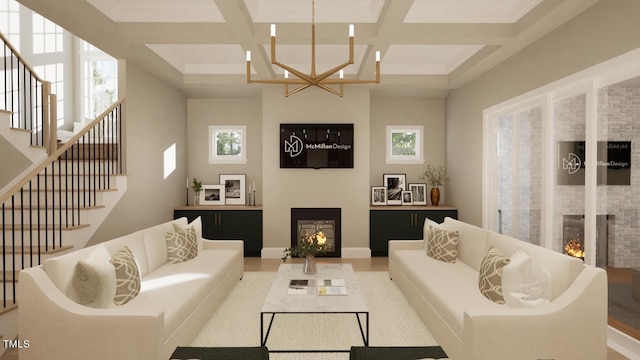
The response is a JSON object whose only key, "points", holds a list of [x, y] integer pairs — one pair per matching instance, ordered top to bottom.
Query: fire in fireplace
{"points": [[322, 222], [573, 236]]}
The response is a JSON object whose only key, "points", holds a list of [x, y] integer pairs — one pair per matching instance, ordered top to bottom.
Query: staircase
{"points": [[57, 203]]}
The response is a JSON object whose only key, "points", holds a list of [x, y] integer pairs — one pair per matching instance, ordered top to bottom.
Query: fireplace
{"points": [[326, 222], [573, 236]]}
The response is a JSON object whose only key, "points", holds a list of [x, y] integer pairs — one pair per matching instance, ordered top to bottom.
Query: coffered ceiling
{"points": [[428, 46]]}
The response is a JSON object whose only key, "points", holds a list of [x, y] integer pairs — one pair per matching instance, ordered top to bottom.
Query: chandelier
{"points": [[324, 81]]}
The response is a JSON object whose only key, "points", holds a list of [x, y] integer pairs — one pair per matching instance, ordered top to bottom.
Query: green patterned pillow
{"points": [[442, 244], [181, 245], [127, 276], [490, 277]]}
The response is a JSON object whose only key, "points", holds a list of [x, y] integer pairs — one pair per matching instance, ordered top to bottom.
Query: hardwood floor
{"points": [[372, 264]]}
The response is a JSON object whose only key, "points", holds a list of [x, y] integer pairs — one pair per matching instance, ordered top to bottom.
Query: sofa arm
{"points": [[405, 245], [573, 326], [59, 328]]}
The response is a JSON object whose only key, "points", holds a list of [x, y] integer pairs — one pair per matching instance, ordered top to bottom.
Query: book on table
{"points": [[301, 286], [332, 290]]}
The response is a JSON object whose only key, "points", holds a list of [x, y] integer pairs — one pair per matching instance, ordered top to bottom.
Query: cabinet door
{"points": [[210, 221], [243, 225], [389, 225]]}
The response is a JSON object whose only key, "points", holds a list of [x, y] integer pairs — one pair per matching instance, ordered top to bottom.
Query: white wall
{"points": [[608, 29], [238, 112], [156, 116], [287, 188]]}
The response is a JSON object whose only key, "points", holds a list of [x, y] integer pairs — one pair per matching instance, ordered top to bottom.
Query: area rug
{"points": [[393, 322]]}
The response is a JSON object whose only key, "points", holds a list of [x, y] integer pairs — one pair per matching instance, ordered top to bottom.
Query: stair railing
{"points": [[27, 97], [49, 200]]}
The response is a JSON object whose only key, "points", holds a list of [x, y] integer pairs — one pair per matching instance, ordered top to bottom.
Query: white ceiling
{"points": [[430, 46]]}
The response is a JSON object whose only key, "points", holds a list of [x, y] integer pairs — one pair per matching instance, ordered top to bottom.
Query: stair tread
{"points": [[57, 207], [45, 227], [43, 249], [10, 307]]}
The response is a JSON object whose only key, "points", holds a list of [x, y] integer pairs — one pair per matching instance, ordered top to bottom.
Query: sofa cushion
{"points": [[472, 241], [135, 243], [155, 244], [181, 245], [442, 245], [127, 276], [490, 276], [524, 282], [95, 283], [450, 288], [177, 289]]}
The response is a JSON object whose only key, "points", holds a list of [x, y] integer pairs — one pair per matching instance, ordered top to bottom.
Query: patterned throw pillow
{"points": [[181, 245], [442, 245], [127, 276], [490, 278]]}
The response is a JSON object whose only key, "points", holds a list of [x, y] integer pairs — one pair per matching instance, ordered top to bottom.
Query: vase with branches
{"points": [[435, 177], [197, 187]]}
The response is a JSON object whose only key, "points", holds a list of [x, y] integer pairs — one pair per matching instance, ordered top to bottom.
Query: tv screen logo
{"points": [[293, 146]]}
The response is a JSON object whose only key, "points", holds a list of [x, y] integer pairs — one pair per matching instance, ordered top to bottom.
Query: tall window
{"points": [[10, 21], [47, 36], [54, 73], [99, 81]]}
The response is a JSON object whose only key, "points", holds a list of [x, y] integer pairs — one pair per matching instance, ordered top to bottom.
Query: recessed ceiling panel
{"points": [[159, 11], [326, 11], [469, 11], [327, 57], [203, 59], [425, 59]]}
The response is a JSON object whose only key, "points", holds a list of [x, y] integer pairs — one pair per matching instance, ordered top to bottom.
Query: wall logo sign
{"points": [[293, 146], [613, 162]]}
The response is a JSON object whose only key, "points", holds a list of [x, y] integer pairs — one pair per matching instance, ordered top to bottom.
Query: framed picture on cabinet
{"points": [[395, 185], [234, 188], [419, 193], [212, 195], [378, 195], [407, 197]]}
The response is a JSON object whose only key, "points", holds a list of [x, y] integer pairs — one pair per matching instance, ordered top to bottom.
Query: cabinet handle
{"points": [[219, 219]]}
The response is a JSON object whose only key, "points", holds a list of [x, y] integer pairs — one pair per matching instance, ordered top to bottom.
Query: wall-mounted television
{"points": [[316, 146]]}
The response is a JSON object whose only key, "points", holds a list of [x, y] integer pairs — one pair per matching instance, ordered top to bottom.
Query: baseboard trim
{"points": [[347, 253], [623, 343]]}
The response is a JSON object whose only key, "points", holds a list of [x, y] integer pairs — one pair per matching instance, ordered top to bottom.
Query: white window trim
{"points": [[214, 158], [405, 159]]}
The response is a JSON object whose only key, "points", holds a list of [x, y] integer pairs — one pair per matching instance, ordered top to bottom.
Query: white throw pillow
{"points": [[94, 283], [525, 284]]}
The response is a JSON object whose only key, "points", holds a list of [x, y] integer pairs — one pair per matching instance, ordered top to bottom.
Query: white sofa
{"points": [[446, 296], [174, 303]]}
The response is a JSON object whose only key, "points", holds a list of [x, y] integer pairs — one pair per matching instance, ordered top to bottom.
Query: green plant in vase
{"points": [[197, 187]]}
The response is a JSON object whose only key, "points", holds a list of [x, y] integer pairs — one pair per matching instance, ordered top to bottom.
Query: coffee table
{"points": [[280, 302]]}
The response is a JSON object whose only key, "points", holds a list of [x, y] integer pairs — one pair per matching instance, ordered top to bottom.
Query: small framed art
{"points": [[395, 184], [234, 189], [419, 193], [212, 195], [378, 195], [407, 197]]}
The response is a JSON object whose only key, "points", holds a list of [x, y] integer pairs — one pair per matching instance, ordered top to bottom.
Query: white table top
{"points": [[279, 301]]}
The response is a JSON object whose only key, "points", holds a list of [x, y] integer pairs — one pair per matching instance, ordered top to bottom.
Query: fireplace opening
{"points": [[325, 223], [573, 236]]}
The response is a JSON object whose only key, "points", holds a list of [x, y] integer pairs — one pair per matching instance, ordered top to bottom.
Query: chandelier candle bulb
{"points": [[273, 30], [351, 30], [248, 55], [377, 56], [286, 74], [341, 74]]}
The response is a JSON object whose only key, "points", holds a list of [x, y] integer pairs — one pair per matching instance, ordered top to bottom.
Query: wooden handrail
{"points": [[17, 55], [56, 154]]}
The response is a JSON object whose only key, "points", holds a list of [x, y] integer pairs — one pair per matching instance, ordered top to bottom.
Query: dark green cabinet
{"points": [[243, 225], [385, 225]]}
